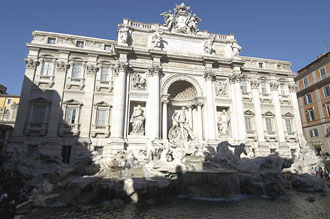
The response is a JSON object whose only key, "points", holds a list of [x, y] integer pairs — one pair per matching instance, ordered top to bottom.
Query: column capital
{"points": [[31, 64], [62, 66], [121, 67], [91, 69], [154, 70], [209, 75], [235, 78], [254, 83], [273, 85], [292, 87], [164, 98]]}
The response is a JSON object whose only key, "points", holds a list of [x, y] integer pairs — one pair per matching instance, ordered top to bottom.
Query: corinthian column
{"points": [[31, 66], [235, 79], [256, 101], [165, 102], [153, 107], [118, 112], [278, 114], [297, 119], [210, 123]]}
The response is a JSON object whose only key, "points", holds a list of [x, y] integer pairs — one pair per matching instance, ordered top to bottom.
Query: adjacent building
{"points": [[170, 82], [313, 94], [8, 111]]}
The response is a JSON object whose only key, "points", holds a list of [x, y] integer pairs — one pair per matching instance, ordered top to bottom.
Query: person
{"points": [[137, 120], [316, 171], [321, 172], [326, 173]]}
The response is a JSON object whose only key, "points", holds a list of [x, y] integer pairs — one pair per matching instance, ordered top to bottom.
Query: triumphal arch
{"points": [[157, 84]]}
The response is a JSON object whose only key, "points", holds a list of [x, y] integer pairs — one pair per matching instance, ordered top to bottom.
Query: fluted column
{"points": [[31, 66], [235, 79], [165, 102], [153, 103], [118, 112], [278, 115], [258, 118], [200, 122], [210, 123]]}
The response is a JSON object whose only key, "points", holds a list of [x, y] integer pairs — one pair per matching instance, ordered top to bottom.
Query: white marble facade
{"points": [[170, 81]]}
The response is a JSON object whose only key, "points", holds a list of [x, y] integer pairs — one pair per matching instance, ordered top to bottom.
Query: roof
{"points": [[319, 59]]}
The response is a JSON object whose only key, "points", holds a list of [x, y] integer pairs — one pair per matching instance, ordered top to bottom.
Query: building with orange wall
{"points": [[313, 96]]}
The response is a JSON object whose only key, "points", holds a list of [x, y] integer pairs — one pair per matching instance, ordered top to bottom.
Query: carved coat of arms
{"points": [[182, 21]]}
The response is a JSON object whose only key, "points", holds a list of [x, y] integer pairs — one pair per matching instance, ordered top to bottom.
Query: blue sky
{"points": [[291, 30]]}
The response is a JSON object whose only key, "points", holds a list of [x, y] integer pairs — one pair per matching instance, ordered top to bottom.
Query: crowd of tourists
{"points": [[320, 172], [11, 192]]}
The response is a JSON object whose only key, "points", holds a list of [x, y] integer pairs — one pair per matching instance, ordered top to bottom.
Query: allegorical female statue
{"points": [[137, 121]]}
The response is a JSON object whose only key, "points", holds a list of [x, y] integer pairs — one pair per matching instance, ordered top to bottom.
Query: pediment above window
{"points": [[39, 100], [72, 102], [102, 104], [248, 113], [269, 114], [288, 115]]}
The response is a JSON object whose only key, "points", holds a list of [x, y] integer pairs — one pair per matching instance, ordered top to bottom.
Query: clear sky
{"points": [[293, 30]]}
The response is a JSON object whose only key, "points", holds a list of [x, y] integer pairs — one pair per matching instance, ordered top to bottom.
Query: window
{"points": [[51, 40], [80, 44], [107, 47], [261, 65], [279, 67], [47, 68], [76, 70], [105, 73], [323, 74], [305, 82], [244, 87], [263, 88], [282, 89], [326, 90], [308, 99], [9, 101], [327, 106], [39, 112], [310, 114], [70, 117], [101, 117], [248, 124], [288, 124], [269, 125], [314, 133], [99, 149], [272, 151], [66, 154]]}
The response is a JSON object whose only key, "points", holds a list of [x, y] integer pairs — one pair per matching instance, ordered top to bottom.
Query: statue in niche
{"points": [[123, 35], [157, 39], [208, 44], [236, 49], [138, 82], [221, 88], [137, 121], [223, 123], [180, 130]]}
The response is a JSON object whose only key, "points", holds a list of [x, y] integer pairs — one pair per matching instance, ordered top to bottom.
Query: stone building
{"points": [[167, 81], [313, 94], [8, 111]]}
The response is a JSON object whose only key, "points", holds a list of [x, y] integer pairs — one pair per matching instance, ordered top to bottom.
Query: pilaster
{"points": [[278, 115], [210, 123]]}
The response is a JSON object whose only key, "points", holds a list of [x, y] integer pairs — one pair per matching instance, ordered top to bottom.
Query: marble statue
{"points": [[182, 21], [123, 35], [157, 39], [208, 44], [236, 49], [139, 82], [137, 121], [223, 123], [180, 130], [152, 149]]}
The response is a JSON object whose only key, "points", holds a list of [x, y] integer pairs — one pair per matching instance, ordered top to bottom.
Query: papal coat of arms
{"points": [[182, 21]]}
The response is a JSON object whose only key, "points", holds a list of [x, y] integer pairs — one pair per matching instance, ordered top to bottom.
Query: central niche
{"points": [[182, 90]]}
